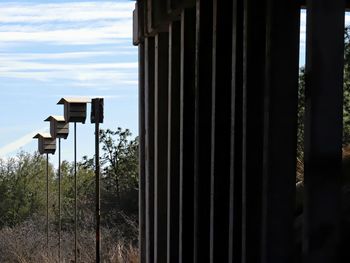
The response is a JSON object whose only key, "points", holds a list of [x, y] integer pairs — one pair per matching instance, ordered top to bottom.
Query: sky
{"points": [[62, 48], [52, 49]]}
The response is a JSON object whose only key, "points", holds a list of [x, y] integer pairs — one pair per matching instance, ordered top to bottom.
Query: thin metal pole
{"points": [[97, 175], [75, 194], [59, 200], [47, 204]]}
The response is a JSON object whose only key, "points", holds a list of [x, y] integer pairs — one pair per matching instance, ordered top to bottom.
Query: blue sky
{"points": [[60, 48], [53, 49]]}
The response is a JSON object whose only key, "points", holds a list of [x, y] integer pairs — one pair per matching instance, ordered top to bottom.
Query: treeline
{"points": [[23, 190]]}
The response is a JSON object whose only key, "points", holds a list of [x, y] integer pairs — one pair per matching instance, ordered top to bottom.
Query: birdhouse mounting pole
{"points": [[97, 175], [75, 193], [59, 200], [47, 204]]}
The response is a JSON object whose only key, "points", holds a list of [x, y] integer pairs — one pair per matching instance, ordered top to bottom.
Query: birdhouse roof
{"points": [[73, 100], [54, 117], [42, 135]]}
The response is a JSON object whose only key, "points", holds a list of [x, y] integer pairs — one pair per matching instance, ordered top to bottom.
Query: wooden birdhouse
{"points": [[74, 109], [97, 110], [58, 127], [46, 143]]}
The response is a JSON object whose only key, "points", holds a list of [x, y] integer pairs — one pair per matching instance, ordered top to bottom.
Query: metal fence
{"points": [[218, 86]]}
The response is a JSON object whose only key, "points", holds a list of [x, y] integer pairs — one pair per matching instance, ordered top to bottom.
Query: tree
{"points": [[346, 98], [119, 160], [119, 178], [119, 183], [22, 185]]}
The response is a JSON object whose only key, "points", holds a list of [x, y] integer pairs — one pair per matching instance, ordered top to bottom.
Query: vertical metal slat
{"points": [[253, 86], [203, 101], [280, 129], [323, 129], [221, 130], [187, 134], [173, 142], [149, 150], [160, 153], [142, 163], [235, 196]]}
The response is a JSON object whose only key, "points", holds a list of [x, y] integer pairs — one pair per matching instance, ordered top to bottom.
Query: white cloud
{"points": [[64, 12], [84, 23], [69, 25], [112, 34], [62, 55], [8, 66], [90, 72], [88, 78], [91, 96], [19, 143]]}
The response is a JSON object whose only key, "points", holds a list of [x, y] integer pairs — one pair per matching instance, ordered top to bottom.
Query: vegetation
{"points": [[346, 106], [23, 204]]}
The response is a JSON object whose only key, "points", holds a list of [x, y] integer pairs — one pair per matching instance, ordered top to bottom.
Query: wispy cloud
{"points": [[64, 12], [84, 23], [71, 26], [70, 36], [62, 55], [25, 66], [88, 78], [91, 96], [19, 143]]}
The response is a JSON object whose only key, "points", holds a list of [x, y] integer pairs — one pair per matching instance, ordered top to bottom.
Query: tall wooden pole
{"points": [[97, 118], [97, 175], [75, 194], [59, 200], [47, 204]]}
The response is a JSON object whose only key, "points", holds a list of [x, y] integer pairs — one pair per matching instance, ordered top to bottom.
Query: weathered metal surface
{"points": [[174, 7], [156, 16], [139, 23], [136, 25], [203, 113], [187, 115], [280, 128], [323, 129], [221, 130], [252, 137], [220, 140], [173, 143], [161, 145], [149, 146], [142, 161], [235, 218]]}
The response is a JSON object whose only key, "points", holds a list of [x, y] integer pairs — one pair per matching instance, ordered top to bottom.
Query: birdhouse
{"points": [[74, 109], [97, 110], [58, 127], [46, 143]]}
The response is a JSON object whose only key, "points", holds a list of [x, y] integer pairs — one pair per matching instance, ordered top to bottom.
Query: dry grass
{"points": [[300, 170], [26, 243]]}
